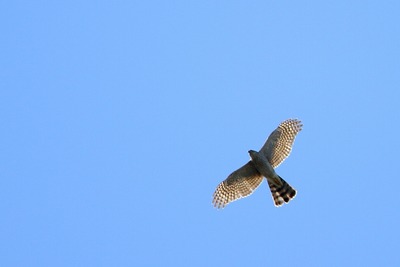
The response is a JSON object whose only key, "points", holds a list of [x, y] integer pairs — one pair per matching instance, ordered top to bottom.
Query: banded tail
{"points": [[285, 193]]}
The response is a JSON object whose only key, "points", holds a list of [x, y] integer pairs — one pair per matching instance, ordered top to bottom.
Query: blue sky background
{"points": [[119, 119]]}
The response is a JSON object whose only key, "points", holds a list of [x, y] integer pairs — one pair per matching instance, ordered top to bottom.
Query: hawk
{"points": [[242, 182]]}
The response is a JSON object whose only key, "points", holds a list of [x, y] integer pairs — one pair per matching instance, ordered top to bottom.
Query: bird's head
{"points": [[252, 153]]}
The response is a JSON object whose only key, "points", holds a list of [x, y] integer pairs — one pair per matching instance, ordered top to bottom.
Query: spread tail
{"points": [[281, 194]]}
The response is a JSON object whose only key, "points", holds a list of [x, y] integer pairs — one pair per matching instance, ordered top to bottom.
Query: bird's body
{"points": [[264, 167], [246, 179]]}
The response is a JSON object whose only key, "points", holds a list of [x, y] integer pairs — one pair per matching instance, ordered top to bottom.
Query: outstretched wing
{"points": [[279, 144], [239, 184]]}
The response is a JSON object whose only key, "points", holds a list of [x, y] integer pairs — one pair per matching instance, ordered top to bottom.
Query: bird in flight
{"points": [[242, 182]]}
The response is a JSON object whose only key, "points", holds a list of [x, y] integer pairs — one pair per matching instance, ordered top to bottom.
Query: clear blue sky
{"points": [[119, 119]]}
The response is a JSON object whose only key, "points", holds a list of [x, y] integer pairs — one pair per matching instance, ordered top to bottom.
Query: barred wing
{"points": [[279, 144], [241, 183]]}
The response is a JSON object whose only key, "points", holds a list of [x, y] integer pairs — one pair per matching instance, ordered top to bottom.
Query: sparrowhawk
{"points": [[242, 182]]}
